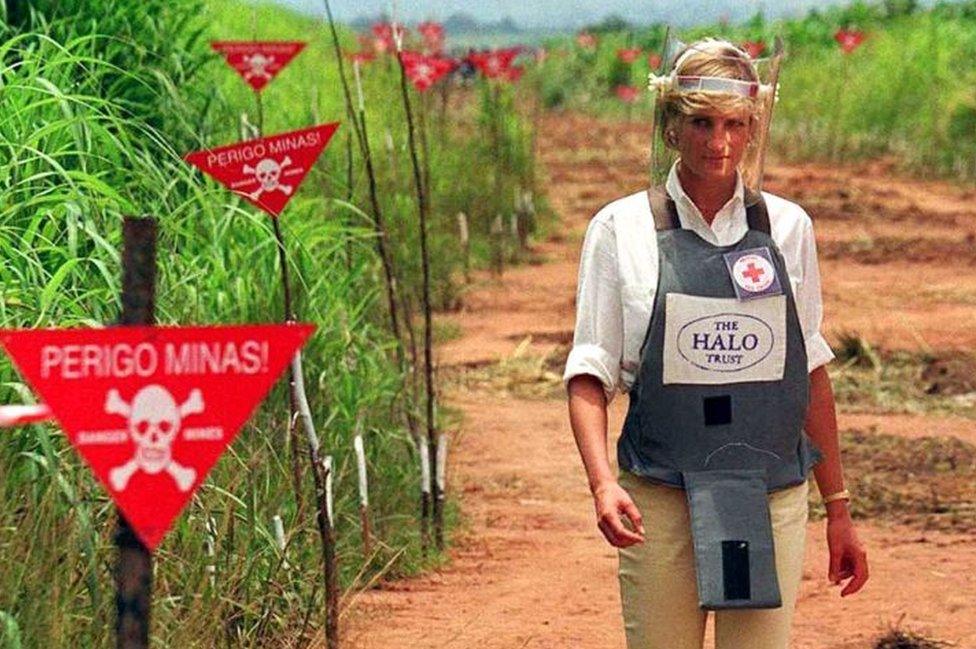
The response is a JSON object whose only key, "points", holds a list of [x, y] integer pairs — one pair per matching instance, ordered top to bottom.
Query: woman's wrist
{"points": [[597, 486], [837, 510]]}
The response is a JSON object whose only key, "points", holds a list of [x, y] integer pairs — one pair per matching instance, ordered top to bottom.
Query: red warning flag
{"points": [[385, 36], [433, 36], [849, 39], [586, 40], [754, 48], [629, 55], [362, 57], [258, 62], [494, 64], [425, 71], [514, 73], [627, 94], [268, 170], [151, 409]]}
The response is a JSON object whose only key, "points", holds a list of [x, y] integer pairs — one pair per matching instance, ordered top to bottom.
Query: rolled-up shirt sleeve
{"points": [[809, 301], [598, 337]]}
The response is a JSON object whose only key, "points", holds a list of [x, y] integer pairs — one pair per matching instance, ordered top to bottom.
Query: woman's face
{"points": [[713, 142]]}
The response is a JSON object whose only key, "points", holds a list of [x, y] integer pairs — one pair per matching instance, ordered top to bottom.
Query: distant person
{"points": [[467, 69], [701, 298]]}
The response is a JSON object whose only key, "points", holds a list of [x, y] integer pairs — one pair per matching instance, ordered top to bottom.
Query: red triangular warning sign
{"points": [[258, 62], [266, 171], [150, 409]]}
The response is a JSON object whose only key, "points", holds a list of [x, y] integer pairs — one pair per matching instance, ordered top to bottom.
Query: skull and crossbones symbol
{"points": [[258, 65], [423, 74], [268, 173], [155, 420]]}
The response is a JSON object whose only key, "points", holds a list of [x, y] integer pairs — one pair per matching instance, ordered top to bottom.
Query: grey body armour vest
{"points": [[719, 403]]}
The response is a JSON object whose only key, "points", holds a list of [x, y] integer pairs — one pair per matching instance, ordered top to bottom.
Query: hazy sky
{"points": [[567, 13]]}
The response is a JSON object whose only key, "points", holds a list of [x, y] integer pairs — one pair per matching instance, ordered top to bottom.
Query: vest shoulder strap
{"points": [[663, 209], [665, 212], [757, 216]]}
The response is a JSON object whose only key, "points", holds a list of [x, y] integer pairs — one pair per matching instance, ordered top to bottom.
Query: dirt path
{"points": [[529, 567]]}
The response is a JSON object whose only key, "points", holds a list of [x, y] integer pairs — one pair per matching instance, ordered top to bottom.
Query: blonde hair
{"points": [[709, 57]]}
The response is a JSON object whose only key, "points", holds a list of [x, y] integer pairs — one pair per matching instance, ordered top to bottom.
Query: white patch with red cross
{"points": [[753, 273]]}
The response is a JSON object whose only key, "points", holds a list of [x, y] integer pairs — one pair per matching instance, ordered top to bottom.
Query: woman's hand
{"points": [[612, 501], [847, 557]]}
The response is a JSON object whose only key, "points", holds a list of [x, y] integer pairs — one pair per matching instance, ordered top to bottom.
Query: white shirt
{"points": [[618, 278]]}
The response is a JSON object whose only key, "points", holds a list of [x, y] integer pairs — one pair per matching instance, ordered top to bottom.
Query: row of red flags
{"points": [[848, 40], [258, 62], [424, 69]]}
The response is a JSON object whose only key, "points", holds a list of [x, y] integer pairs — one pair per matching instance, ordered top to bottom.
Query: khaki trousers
{"points": [[657, 578]]}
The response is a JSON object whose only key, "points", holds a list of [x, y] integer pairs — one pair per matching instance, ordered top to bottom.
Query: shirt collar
{"points": [[689, 213]]}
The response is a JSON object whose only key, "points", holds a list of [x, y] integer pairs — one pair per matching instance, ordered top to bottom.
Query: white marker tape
{"points": [[359, 87], [462, 219], [18, 415], [357, 443], [441, 463], [424, 466], [328, 488], [279, 532], [210, 543]]}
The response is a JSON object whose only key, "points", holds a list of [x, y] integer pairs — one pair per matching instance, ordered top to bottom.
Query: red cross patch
{"points": [[753, 273]]}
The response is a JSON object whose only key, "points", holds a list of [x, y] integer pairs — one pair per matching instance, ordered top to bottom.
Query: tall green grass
{"points": [[907, 92], [94, 119]]}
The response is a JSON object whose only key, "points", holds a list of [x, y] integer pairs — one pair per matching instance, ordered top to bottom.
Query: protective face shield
{"points": [[669, 88]]}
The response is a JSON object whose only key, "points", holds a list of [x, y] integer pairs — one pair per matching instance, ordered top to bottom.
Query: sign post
{"points": [[256, 170], [150, 409], [133, 570]]}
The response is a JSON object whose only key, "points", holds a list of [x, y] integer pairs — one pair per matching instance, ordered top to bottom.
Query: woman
{"points": [[702, 299]]}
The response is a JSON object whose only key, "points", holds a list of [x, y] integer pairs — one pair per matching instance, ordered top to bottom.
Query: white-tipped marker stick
{"points": [[359, 86], [462, 220], [357, 443], [441, 464], [424, 466], [328, 489], [425, 501], [279, 532], [210, 545]]}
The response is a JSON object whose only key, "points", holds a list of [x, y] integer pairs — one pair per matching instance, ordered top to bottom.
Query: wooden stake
{"points": [[358, 120], [422, 208], [462, 219], [498, 245], [322, 475], [441, 482], [425, 500], [210, 547], [133, 572]]}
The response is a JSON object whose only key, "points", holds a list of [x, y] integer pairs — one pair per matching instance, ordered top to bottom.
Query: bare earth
{"points": [[529, 567]]}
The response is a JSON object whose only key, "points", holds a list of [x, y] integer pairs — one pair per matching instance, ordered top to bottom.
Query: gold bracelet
{"points": [[840, 495]]}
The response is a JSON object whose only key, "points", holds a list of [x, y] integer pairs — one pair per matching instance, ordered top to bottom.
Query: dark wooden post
{"points": [[133, 572]]}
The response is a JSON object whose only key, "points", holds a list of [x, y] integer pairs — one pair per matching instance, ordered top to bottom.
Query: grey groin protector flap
{"points": [[733, 539]]}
